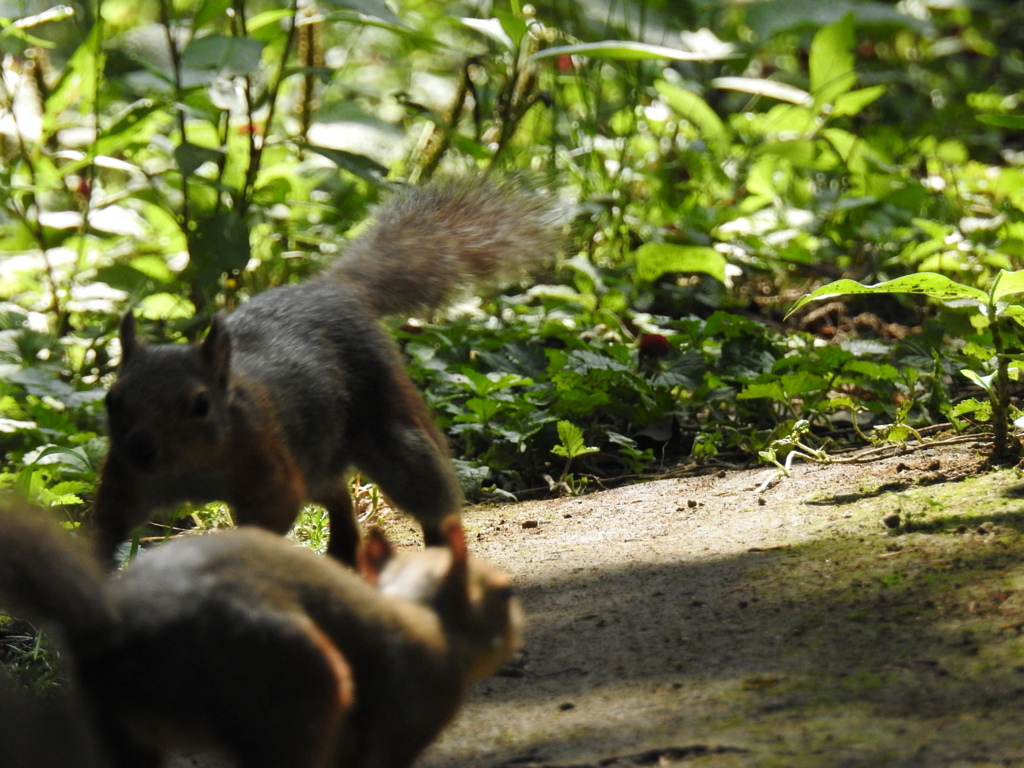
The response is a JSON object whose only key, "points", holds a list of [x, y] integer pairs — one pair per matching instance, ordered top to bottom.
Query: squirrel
{"points": [[301, 384], [244, 642], [46, 731]]}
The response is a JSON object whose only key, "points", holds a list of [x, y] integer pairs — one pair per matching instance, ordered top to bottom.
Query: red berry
{"points": [[654, 345]]}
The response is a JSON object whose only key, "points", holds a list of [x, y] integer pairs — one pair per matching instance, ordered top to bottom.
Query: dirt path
{"points": [[697, 620]]}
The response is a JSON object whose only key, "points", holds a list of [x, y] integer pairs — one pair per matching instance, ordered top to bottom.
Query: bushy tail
{"points": [[427, 244], [48, 578]]}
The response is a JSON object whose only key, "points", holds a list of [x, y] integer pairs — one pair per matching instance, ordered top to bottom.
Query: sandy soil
{"points": [[853, 614], [698, 620]]}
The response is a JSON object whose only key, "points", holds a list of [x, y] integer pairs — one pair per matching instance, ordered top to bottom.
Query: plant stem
{"points": [[172, 47], [244, 200], [1003, 448]]}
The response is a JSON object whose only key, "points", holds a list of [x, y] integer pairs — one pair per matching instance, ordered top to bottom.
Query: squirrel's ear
{"points": [[129, 339], [216, 349], [374, 554]]}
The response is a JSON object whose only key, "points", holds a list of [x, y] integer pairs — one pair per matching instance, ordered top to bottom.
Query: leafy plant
{"points": [[177, 158], [993, 309], [570, 446]]}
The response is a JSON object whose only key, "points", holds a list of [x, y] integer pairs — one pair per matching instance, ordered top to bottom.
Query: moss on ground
{"points": [[902, 646]]}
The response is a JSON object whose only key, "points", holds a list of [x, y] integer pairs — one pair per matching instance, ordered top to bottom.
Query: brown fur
{"points": [[300, 385], [244, 642]]}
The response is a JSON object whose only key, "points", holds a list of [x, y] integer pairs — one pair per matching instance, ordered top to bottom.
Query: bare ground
{"points": [[700, 621]]}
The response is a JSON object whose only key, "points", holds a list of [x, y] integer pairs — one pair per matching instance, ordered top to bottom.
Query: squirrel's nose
{"points": [[141, 449]]}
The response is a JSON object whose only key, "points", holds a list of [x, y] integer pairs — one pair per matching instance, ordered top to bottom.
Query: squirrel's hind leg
{"points": [[406, 460], [344, 536], [293, 709]]}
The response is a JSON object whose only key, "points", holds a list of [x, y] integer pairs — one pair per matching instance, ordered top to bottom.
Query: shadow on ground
{"points": [[854, 647]]}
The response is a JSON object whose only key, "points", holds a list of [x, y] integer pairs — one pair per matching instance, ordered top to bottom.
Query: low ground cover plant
{"points": [[721, 161]]}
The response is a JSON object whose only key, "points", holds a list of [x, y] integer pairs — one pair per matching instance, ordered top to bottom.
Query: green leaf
{"points": [[374, 8], [208, 11], [267, 18], [767, 19], [364, 20], [515, 27], [17, 28], [493, 29], [20, 34], [629, 50], [219, 53], [831, 61], [78, 77], [769, 88], [853, 102], [689, 106], [1016, 122], [128, 126], [848, 146], [190, 156], [358, 165], [224, 239], [219, 245], [655, 259], [153, 267], [125, 278], [927, 283], [1007, 283], [165, 306], [1015, 312], [875, 371], [985, 382], [41, 383], [802, 383], [483, 384], [771, 390], [483, 409], [980, 410], [896, 433], [572, 444], [58, 454], [69, 487]]}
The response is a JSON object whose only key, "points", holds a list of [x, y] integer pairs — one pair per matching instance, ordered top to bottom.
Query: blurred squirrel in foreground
{"points": [[301, 384], [244, 642], [46, 732]]}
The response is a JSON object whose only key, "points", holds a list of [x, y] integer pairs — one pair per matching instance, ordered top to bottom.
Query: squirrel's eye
{"points": [[200, 405]]}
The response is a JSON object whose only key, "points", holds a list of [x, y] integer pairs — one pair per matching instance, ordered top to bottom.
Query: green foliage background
{"points": [[176, 157]]}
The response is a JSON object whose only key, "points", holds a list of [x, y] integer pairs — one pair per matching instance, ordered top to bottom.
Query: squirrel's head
{"points": [[169, 405], [475, 600]]}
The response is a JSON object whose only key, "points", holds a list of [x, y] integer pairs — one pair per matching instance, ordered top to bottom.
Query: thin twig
{"points": [[165, 20], [256, 147]]}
